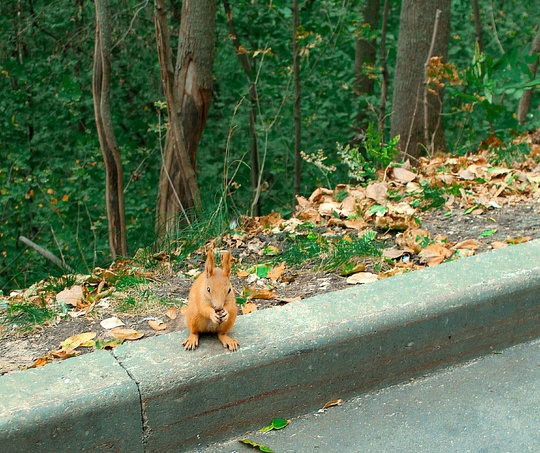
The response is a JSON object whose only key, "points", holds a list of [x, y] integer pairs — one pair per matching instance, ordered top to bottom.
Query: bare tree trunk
{"points": [[417, 22], [477, 25], [365, 56], [384, 68], [187, 84], [525, 101], [253, 105], [297, 109], [114, 186]]}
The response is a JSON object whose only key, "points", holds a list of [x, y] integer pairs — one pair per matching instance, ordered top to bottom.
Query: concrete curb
{"points": [[291, 360]]}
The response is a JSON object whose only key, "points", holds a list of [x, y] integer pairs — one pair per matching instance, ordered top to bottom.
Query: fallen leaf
{"points": [[403, 175], [377, 191], [487, 233], [518, 240], [468, 244], [495, 245], [393, 254], [434, 254], [276, 272], [242, 273], [362, 278], [255, 293], [70, 296], [290, 299], [249, 308], [172, 313], [111, 323], [157, 325], [126, 334], [75, 341], [109, 344], [64, 354], [42, 361], [333, 403], [277, 423], [254, 444]]}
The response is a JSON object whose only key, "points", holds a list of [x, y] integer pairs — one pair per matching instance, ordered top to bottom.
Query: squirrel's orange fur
{"points": [[212, 304]]}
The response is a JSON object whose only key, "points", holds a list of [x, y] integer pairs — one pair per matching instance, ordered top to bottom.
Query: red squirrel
{"points": [[212, 304]]}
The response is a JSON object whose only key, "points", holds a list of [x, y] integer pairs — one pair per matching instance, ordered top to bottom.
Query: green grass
{"points": [[25, 317]]}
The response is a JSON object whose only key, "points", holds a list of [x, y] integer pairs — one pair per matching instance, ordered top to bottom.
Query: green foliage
{"points": [[376, 154], [25, 317]]}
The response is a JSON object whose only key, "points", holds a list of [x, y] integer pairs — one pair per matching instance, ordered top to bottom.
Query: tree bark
{"points": [[417, 22], [477, 25], [365, 56], [384, 68], [187, 85], [525, 101], [253, 105], [296, 109], [114, 185]]}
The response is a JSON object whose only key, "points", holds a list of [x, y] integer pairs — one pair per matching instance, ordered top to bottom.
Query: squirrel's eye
{"points": [[208, 288], [229, 292]]}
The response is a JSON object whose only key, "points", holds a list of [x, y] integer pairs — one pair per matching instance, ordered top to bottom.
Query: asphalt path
{"points": [[491, 404]]}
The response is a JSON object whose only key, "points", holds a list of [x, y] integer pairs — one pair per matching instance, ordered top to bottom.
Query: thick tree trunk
{"points": [[417, 22], [477, 25], [365, 56], [384, 69], [187, 85], [525, 102], [253, 106], [114, 186]]}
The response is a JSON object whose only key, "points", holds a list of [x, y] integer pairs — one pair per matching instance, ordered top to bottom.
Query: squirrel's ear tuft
{"points": [[226, 263], [209, 266]]}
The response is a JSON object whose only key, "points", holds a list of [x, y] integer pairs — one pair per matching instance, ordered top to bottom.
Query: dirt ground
{"points": [[17, 352]]}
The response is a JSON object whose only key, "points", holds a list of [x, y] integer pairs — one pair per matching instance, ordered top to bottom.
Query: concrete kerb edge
{"points": [[291, 359]]}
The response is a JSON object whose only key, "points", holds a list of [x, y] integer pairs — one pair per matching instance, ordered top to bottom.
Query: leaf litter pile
{"points": [[446, 209]]}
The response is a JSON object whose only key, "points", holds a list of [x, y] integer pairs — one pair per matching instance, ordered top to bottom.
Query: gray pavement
{"points": [[491, 404]]}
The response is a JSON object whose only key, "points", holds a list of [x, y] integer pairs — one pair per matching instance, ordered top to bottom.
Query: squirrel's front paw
{"points": [[215, 317], [191, 343]]}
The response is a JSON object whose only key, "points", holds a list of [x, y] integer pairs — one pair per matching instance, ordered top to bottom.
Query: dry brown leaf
{"points": [[404, 176], [377, 191], [357, 224], [413, 239], [468, 244], [495, 245], [393, 254], [434, 254], [276, 272], [242, 273], [362, 278], [255, 293], [70, 296], [290, 299], [249, 307], [172, 313], [111, 323], [157, 325], [126, 334], [63, 354], [42, 361], [333, 403]]}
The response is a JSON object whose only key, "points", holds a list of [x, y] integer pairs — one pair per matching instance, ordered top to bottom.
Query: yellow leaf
{"points": [[242, 273], [255, 293], [126, 334], [75, 341]]}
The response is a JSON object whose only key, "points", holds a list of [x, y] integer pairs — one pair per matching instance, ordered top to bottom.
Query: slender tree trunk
{"points": [[417, 22], [477, 25], [365, 56], [384, 68], [187, 85], [525, 102], [253, 105], [297, 109], [114, 186]]}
